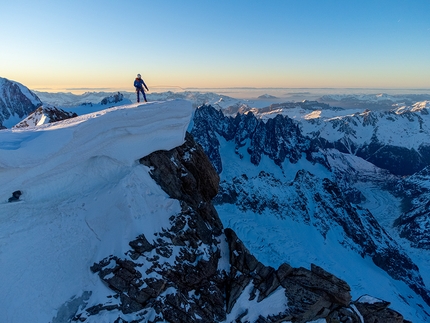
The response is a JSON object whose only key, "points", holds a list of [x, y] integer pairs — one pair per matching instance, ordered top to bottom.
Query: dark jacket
{"points": [[139, 84]]}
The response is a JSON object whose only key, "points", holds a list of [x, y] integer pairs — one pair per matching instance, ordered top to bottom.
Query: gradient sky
{"points": [[56, 44]]}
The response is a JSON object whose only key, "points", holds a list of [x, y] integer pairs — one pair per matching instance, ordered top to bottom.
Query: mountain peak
{"points": [[16, 102]]}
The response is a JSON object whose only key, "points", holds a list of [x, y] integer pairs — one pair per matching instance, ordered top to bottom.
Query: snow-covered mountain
{"points": [[16, 102], [376, 136], [287, 189], [114, 223], [112, 236]]}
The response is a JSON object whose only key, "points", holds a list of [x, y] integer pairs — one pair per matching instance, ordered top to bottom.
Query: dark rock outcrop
{"points": [[414, 225], [375, 310]]}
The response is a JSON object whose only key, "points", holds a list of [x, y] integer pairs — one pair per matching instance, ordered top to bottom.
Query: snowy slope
{"points": [[84, 197]]}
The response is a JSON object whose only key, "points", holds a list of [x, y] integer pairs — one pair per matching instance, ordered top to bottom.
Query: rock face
{"points": [[16, 100], [44, 115], [361, 134], [280, 138], [197, 271]]}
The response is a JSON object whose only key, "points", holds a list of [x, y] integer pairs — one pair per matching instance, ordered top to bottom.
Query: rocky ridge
{"points": [[44, 115], [365, 134], [279, 138], [197, 271]]}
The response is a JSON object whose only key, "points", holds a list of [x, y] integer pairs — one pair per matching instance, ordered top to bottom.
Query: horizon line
{"points": [[115, 89]]}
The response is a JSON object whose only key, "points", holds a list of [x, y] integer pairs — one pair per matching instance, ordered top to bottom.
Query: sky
{"points": [[55, 44]]}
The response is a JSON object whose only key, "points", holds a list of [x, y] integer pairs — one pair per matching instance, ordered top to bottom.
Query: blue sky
{"points": [[60, 44]]}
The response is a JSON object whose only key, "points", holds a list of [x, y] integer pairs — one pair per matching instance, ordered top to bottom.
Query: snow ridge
{"points": [[83, 197]]}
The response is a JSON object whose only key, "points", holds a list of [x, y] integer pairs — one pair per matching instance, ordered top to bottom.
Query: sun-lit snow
{"points": [[313, 115]]}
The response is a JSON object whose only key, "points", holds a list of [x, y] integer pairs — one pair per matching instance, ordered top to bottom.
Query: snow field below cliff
{"points": [[233, 165], [85, 196], [274, 240]]}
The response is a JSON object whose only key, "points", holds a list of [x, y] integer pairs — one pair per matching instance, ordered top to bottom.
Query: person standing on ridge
{"points": [[140, 86]]}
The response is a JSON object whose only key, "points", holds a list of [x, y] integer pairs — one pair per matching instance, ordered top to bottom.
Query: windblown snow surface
{"points": [[85, 196]]}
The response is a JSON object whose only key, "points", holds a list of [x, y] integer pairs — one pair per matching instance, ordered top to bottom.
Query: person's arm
{"points": [[145, 86]]}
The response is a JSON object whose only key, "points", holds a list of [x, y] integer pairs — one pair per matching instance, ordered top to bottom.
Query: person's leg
{"points": [[137, 93], [144, 95]]}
